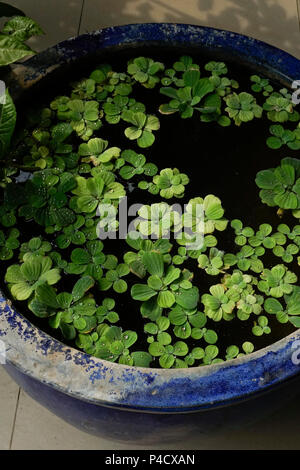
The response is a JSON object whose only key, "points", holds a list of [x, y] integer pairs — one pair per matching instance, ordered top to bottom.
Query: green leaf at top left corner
{"points": [[22, 28], [12, 50], [8, 117]]}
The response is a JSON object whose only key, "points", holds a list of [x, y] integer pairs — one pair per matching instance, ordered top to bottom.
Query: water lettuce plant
{"points": [[145, 71], [261, 85], [188, 98], [242, 107], [279, 108], [83, 116], [142, 127], [281, 136], [135, 164], [171, 183], [280, 186], [89, 193], [23, 279], [277, 281], [217, 304]]}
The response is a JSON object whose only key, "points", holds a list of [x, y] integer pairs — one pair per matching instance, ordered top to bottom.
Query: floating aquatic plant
{"points": [[188, 98], [242, 107], [142, 127], [281, 136], [280, 186], [179, 284]]}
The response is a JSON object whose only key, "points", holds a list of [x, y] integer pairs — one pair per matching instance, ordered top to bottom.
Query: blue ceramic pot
{"points": [[148, 405]]}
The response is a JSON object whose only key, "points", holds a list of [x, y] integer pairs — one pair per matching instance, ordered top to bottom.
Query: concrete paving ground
{"points": [[23, 423]]}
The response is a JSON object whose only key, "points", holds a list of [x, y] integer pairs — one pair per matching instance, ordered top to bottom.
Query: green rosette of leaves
{"points": [[145, 71], [261, 85], [195, 94], [113, 107], [242, 107], [279, 108], [84, 116], [142, 127], [280, 136], [97, 152], [135, 164], [171, 183], [280, 186], [90, 192], [46, 198], [205, 215], [157, 219], [9, 242], [35, 247], [134, 258], [88, 260], [213, 264], [24, 279], [277, 281], [164, 287], [217, 304], [289, 311], [72, 313], [113, 344]]}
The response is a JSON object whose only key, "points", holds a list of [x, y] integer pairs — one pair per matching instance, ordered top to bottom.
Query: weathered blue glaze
{"points": [[90, 392]]}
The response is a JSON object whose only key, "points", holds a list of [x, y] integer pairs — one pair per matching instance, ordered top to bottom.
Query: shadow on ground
{"points": [[265, 20]]}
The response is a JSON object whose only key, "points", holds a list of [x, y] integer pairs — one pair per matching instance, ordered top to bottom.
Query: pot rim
{"points": [[87, 378]]}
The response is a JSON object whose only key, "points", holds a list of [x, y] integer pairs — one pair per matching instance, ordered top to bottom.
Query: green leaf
{"points": [[21, 28], [12, 50], [191, 77], [203, 87], [169, 91], [8, 117], [60, 132], [146, 139], [274, 142], [265, 179], [80, 256], [154, 263], [171, 275], [52, 276], [154, 282], [82, 286], [120, 286], [142, 292], [47, 295], [188, 298], [64, 299], [165, 299], [273, 306], [40, 309], [150, 309], [177, 316], [295, 321], [68, 331], [210, 336], [129, 338], [164, 338], [248, 347], [180, 348], [156, 349], [211, 352], [141, 358], [166, 361]]}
